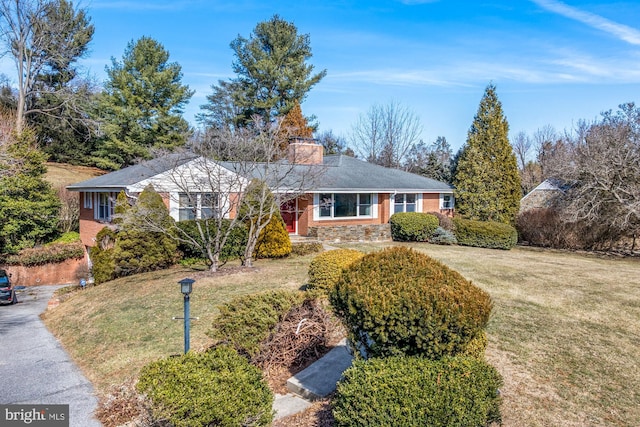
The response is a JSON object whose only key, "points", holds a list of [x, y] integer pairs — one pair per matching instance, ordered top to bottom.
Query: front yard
{"points": [[565, 330]]}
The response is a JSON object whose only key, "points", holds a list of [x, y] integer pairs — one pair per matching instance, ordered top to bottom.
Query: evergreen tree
{"points": [[272, 73], [142, 105], [487, 181], [28, 205], [274, 240], [134, 250]]}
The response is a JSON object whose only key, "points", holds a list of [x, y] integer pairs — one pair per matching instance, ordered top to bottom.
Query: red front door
{"points": [[289, 215]]}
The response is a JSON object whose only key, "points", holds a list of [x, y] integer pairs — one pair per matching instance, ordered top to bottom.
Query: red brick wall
{"points": [[60, 273]]}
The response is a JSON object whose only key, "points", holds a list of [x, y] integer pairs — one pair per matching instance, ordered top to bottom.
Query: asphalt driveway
{"points": [[34, 368]]}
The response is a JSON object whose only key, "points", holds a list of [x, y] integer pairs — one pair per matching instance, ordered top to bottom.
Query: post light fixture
{"points": [[186, 286]]}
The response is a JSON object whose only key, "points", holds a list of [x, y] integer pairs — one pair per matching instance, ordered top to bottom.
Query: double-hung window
{"points": [[446, 201], [405, 202], [346, 205], [104, 206], [197, 206]]}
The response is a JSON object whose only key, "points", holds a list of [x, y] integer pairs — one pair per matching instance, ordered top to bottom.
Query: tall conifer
{"points": [[486, 180]]}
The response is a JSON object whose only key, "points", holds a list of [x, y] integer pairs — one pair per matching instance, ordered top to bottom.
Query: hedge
{"points": [[412, 226], [485, 234], [233, 248], [51, 253], [326, 268], [402, 302], [215, 388], [412, 391]]}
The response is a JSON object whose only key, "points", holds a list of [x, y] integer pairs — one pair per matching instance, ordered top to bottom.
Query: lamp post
{"points": [[186, 286]]}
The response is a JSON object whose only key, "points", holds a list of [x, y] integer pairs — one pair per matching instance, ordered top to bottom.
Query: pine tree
{"points": [[272, 72], [142, 105], [487, 181]]}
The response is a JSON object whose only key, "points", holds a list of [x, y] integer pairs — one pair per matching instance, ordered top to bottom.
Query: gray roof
{"points": [[338, 173], [347, 173], [133, 174]]}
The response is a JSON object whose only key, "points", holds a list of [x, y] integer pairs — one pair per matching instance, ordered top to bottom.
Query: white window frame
{"points": [[88, 200], [442, 201], [418, 202], [110, 206], [198, 208], [332, 217]]}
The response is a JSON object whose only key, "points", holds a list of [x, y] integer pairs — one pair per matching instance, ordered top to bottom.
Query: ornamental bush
{"points": [[412, 226], [485, 234], [443, 237], [273, 241], [306, 248], [326, 268], [402, 302], [246, 321], [215, 388], [413, 391]]}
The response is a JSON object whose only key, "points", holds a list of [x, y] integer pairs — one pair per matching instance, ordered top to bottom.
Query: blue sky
{"points": [[553, 62]]}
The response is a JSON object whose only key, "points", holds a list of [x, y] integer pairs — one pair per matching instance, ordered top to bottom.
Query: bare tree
{"points": [[43, 37], [385, 134], [604, 173], [530, 174], [213, 191]]}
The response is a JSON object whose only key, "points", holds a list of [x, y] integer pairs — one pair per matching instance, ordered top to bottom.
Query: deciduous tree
{"points": [[44, 38], [385, 134], [605, 173], [487, 181]]}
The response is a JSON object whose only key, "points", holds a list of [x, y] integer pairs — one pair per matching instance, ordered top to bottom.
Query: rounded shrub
{"points": [[412, 226], [485, 234], [443, 236], [326, 268], [402, 302], [246, 321], [215, 388], [413, 391]]}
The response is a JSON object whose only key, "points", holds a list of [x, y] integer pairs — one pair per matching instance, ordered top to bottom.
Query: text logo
{"points": [[34, 415]]}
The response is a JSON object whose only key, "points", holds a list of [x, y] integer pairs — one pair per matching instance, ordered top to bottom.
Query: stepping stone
{"points": [[319, 379], [288, 404]]}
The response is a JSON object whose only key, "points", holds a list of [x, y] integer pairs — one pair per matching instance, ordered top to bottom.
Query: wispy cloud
{"points": [[621, 31]]}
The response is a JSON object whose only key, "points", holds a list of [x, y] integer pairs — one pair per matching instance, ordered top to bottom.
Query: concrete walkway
{"points": [[35, 368], [315, 382]]}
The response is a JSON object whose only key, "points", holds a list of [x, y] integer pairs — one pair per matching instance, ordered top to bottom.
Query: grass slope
{"points": [[62, 174], [114, 329], [565, 332]]}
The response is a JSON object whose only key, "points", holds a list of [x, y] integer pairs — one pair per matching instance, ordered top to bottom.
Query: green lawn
{"points": [[565, 331]]}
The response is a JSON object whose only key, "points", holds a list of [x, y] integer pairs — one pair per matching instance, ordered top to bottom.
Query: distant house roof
{"points": [[338, 173], [543, 195]]}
